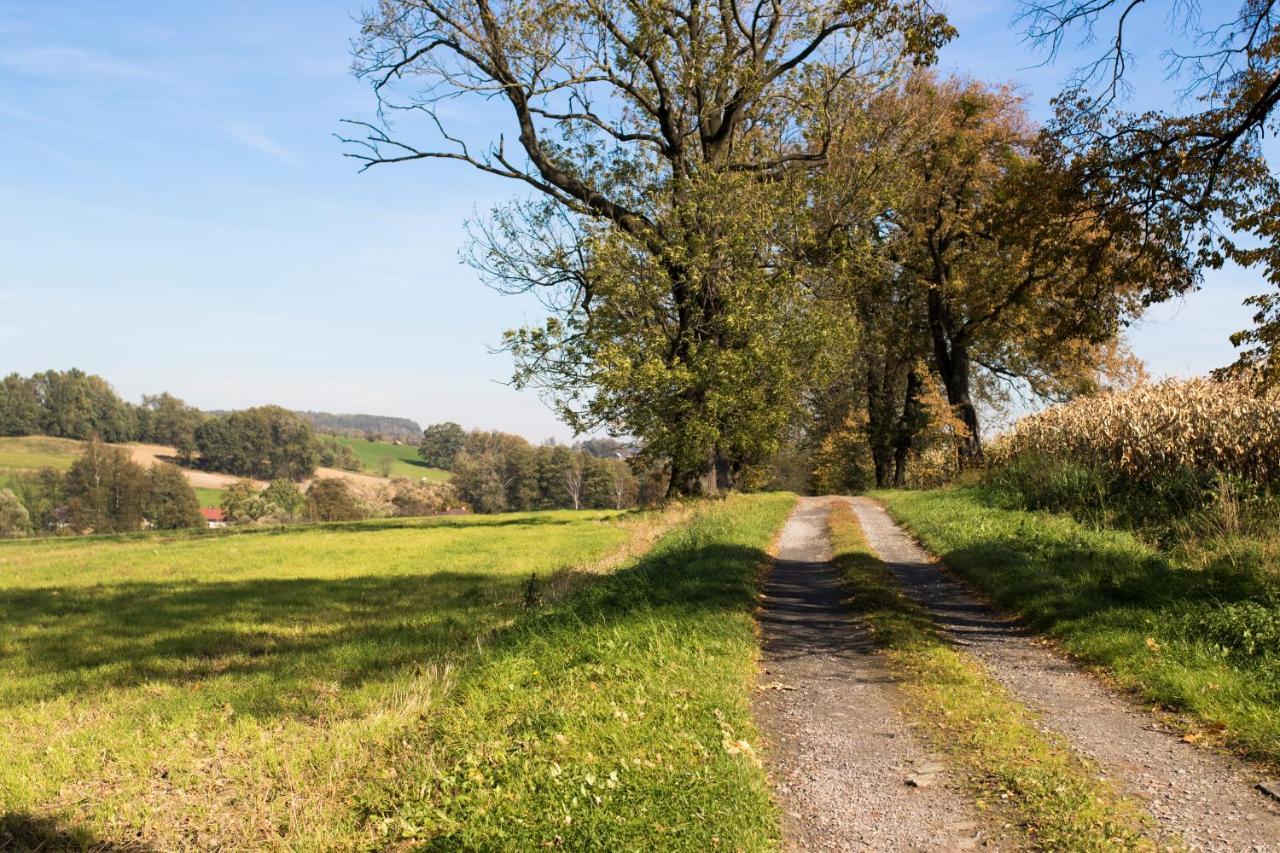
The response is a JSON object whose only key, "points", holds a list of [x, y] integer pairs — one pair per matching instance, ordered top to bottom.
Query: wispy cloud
{"points": [[62, 62], [254, 139], [40, 303]]}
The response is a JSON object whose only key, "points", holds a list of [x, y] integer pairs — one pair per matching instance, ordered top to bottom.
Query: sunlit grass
{"points": [[29, 452], [405, 461], [210, 497], [1174, 632], [339, 686], [210, 690], [620, 721]]}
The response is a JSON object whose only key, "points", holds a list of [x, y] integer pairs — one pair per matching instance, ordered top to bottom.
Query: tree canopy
{"points": [[652, 134], [1196, 169]]}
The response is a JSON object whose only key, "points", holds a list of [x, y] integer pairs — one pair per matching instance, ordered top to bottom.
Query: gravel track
{"points": [[838, 751], [1205, 797]]}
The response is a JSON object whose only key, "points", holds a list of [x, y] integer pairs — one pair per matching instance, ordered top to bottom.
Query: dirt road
{"points": [[838, 751]]}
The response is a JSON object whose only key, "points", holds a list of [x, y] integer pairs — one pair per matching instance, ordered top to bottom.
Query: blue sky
{"points": [[175, 214]]}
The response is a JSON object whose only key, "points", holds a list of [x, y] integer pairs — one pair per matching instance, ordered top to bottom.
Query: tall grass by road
{"points": [[1200, 636], [620, 721]]}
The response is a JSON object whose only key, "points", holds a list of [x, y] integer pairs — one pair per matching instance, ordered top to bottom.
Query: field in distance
{"points": [[28, 453], [405, 461]]}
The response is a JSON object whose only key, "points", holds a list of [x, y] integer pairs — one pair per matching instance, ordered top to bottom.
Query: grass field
{"points": [[29, 452], [405, 461], [210, 497], [1200, 639], [339, 686]]}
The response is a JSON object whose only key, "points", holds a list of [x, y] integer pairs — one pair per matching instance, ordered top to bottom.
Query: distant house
{"points": [[213, 517], [62, 519]]}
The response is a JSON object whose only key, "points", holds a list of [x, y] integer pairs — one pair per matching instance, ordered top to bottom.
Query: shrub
{"points": [[334, 454], [282, 498], [423, 498], [332, 500], [171, 503], [14, 519], [1239, 629]]}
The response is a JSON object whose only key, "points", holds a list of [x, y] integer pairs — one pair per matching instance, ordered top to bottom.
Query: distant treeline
{"points": [[363, 426], [265, 442], [493, 471], [500, 472], [103, 492]]}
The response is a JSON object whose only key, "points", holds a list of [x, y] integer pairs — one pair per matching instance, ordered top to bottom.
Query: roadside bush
{"points": [[332, 500], [15, 521], [1240, 629]]}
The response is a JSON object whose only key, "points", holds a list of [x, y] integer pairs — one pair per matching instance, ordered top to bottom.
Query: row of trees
{"points": [[761, 228], [74, 404], [371, 427], [265, 442], [497, 472], [104, 491], [335, 499]]}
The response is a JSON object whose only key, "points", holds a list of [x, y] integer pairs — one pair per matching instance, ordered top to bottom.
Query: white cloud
{"points": [[53, 61], [252, 138], [39, 303]]}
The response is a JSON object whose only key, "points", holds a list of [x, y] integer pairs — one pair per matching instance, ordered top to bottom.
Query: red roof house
{"points": [[213, 517]]}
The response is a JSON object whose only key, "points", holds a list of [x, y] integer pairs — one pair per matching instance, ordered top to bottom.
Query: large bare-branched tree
{"points": [[652, 129], [1196, 168]]}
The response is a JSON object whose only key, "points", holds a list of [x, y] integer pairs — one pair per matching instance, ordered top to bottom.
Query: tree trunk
{"points": [[951, 354], [908, 425], [878, 426], [726, 471], [694, 481]]}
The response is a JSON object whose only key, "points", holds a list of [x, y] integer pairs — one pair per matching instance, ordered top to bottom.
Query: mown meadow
{"points": [[26, 453], [402, 459], [547, 676]]}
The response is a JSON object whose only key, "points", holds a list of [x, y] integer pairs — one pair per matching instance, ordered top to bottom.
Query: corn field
{"points": [[1153, 429]]}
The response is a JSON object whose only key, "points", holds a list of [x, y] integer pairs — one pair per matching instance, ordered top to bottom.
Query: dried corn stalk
{"points": [[1203, 424]]}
